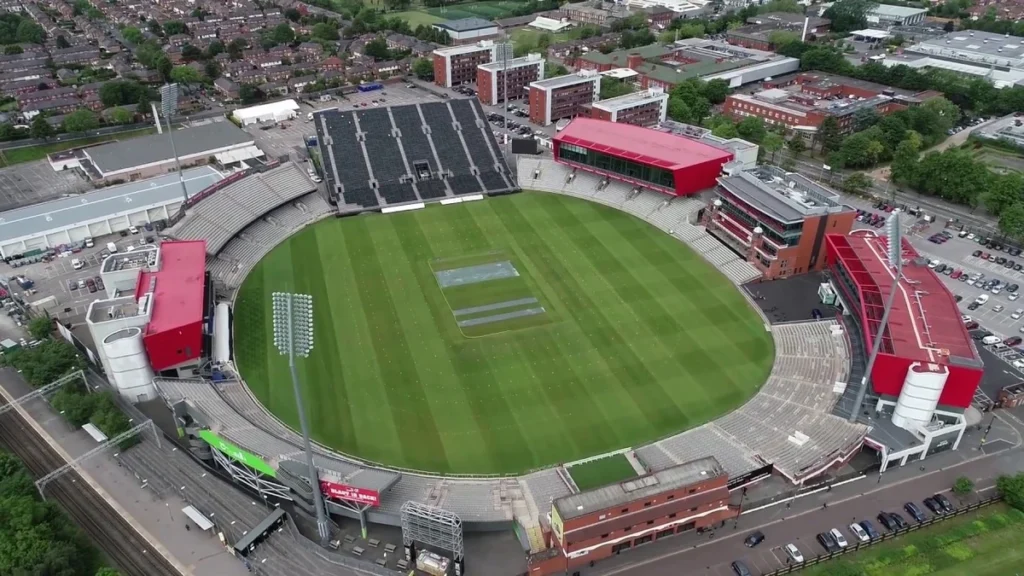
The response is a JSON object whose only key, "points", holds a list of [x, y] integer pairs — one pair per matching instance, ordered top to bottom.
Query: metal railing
{"points": [[885, 537]]}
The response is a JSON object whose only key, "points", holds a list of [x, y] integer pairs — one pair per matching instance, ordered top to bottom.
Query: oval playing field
{"points": [[501, 335]]}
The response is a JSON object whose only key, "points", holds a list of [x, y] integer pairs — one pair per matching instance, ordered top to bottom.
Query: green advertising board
{"points": [[237, 454]]}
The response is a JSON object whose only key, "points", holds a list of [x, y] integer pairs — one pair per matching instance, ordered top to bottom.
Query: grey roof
{"points": [[466, 24], [566, 80], [118, 156], [772, 191], [67, 212], [636, 489]]}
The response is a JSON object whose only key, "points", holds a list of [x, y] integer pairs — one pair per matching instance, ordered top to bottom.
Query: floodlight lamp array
{"points": [[293, 323]]}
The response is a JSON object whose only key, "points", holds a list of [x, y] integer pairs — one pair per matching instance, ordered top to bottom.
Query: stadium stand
{"points": [[409, 153], [222, 215]]}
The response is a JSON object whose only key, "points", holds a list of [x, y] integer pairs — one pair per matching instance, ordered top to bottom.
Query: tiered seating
{"points": [[478, 141], [450, 148], [417, 149], [385, 156], [346, 162], [225, 213], [697, 443]]}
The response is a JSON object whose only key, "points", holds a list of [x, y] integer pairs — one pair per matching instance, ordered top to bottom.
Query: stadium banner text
{"points": [[350, 493]]}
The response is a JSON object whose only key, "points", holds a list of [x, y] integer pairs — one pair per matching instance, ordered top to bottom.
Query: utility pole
{"points": [[293, 336]]}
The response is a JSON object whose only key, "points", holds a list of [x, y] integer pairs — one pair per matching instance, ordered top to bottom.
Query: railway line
{"points": [[111, 533]]}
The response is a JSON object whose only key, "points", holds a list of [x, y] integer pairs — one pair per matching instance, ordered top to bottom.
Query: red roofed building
{"points": [[640, 156], [174, 334], [928, 363]]}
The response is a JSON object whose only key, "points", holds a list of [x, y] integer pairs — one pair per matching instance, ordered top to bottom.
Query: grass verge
{"points": [[12, 156], [602, 472], [983, 543]]}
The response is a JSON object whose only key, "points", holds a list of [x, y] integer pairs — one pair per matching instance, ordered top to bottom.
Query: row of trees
{"points": [[17, 29]]}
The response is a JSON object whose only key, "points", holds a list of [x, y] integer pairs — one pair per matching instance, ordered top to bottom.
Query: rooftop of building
{"points": [[897, 11], [788, 18], [465, 24], [465, 48], [981, 48], [690, 58], [528, 60], [581, 77], [814, 78], [630, 100], [781, 100], [651, 147], [156, 148], [784, 196], [103, 203], [142, 257], [178, 287], [115, 309], [924, 323], [615, 495]]}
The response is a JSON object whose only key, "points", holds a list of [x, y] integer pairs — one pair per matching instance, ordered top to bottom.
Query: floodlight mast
{"points": [[892, 229], [293, 336]]}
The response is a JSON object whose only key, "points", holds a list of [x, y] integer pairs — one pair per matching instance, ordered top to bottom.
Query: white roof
{"points": [[896, 11], [550, 24], [871, 33], [620, 73], [266, 109], [239, 155]]}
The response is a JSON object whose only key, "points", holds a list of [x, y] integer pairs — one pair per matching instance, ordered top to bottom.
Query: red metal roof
{"points": [[645, 145], [177, 286], [925, 322]]}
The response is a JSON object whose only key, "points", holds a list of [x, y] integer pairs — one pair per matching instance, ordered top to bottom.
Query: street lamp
{"points": [[293, 336]]}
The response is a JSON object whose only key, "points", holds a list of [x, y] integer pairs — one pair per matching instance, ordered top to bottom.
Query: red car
{"points": [[956, 274], [971, 326], [1013, 340]]}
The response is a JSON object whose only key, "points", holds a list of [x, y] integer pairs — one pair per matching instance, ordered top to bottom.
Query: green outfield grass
{"points": [[488, 10], [416, 17], [639, 336], [601, 472], [983, 543]]}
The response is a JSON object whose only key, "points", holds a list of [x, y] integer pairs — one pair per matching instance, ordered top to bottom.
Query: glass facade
{"points": [[627, 168], [790, 233]]}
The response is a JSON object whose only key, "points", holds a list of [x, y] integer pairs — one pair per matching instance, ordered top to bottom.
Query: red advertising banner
{"points": [[350, 493]]}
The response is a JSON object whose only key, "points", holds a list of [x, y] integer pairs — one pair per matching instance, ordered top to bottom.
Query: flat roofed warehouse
{"points": [[98, 213]]}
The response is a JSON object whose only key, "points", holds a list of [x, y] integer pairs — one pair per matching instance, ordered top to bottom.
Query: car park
{"points": [[976, 253], [940, 268], [956, 274], [99, 283], [81, 284], [91, 284], [72, 285], [1012, 296], [957, 297], [981, 300], [973, 306], [997, 308], [1016, 314], [971, 326], [980, 335], [991, 339], [1013, 341], [930, 502], [944, 502], [914, 511], [898, 519], [886, 520], [870, 529], [858, 531], [753, 539], [840, 540], [827, 542], [794, 553], [740, 569]]}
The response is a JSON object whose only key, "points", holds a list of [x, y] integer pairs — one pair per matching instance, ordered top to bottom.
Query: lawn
{"points": [[489, 10], [416, 17], [529, 37], [13, 156], [1000, 160], [636, 336], [601, 472], [983, 543]]}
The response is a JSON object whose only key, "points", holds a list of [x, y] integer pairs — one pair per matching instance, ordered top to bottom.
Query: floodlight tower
{"points": [[169, 106], [895, 264], [293, 336]]}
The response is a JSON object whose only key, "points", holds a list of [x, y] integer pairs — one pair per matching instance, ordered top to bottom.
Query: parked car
{"points": [[976, 253], [956, 274], [99, 283], [91, 284], [72, 285], [1012, 288], [957, 297], [973, 306], [971, 325], [980, 335], [1013, 341], [944, 502], [934, 506], [914, 511], [898, 519], [886, 520], [870, 529], [858, 531], [839, 538], [753, 539], [827, 542], [794, 553], [740, 569]]}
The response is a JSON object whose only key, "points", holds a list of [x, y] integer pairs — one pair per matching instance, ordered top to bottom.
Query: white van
{"points": [[111, 247], [988, 340]]}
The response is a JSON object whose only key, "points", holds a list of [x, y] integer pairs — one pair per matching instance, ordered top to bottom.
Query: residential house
{"points": [[332, 64], [297, 84], [226, 87], [46, 95], [58, 106]]}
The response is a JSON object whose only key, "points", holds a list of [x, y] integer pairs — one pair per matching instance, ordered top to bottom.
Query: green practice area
{"points": [[11, 156], [502, 335], [601, 472], [983, 543]]}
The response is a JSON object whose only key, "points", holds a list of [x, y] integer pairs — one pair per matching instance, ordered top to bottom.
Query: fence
{"points": [[885, 537]]}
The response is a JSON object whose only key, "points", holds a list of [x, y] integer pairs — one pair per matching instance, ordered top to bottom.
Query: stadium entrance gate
{"points": [[435, 527]]}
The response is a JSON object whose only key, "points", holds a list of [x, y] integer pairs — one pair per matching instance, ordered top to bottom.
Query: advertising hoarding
{"points": [[349, 493]]}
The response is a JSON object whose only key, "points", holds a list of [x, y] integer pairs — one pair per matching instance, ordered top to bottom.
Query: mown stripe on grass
{"points": [[659, 409], [497, 436], [421, 443]]}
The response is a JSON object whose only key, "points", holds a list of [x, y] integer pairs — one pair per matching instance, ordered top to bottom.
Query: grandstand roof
{"points": [[644, 145], [155, 148], [104, 203], [177, 286], [925, 322], [635, 489]]}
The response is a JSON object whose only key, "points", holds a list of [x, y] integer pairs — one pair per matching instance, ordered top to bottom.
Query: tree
{"points": [[292, 14], [849, 15], [173, 27], [155, 28], [324, 31], [30, 32], [283, 33], [132, 34], [780, 38], [62, 42], [215, 47], [236, 47], [13, 49], [377, 49], [190, 53], [163, 66], [211, 69], [423, 69], [186, 75], [611, 87], [716, 91], [120, 92], [250, 94], [143, 102], [677, 110], [121, 116], [865, 118], [81, 120], [40, 128], [751, 129], [725, 130], [830, 136], [772, 143], [797, 145], [904, 159], [857, 183], [1003, 191], [1011, 221], [40, 327], [46, 362], [76, 407], [962, 487], [1012, 489], [104, 571]]}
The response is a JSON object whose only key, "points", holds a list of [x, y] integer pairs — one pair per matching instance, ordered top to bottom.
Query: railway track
{"points": [[114, 535]]}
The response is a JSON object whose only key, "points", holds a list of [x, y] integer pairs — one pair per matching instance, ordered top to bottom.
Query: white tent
{"points": [[550, 24], [273, 112]]}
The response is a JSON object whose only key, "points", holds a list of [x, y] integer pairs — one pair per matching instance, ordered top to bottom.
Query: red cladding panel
{"points": [[174, 334], [349, 493]]}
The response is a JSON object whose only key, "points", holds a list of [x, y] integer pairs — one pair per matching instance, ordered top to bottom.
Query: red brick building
{"points": [[456, 65], [515, 75], [561, 97], [645, 108], [599, 523]]}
